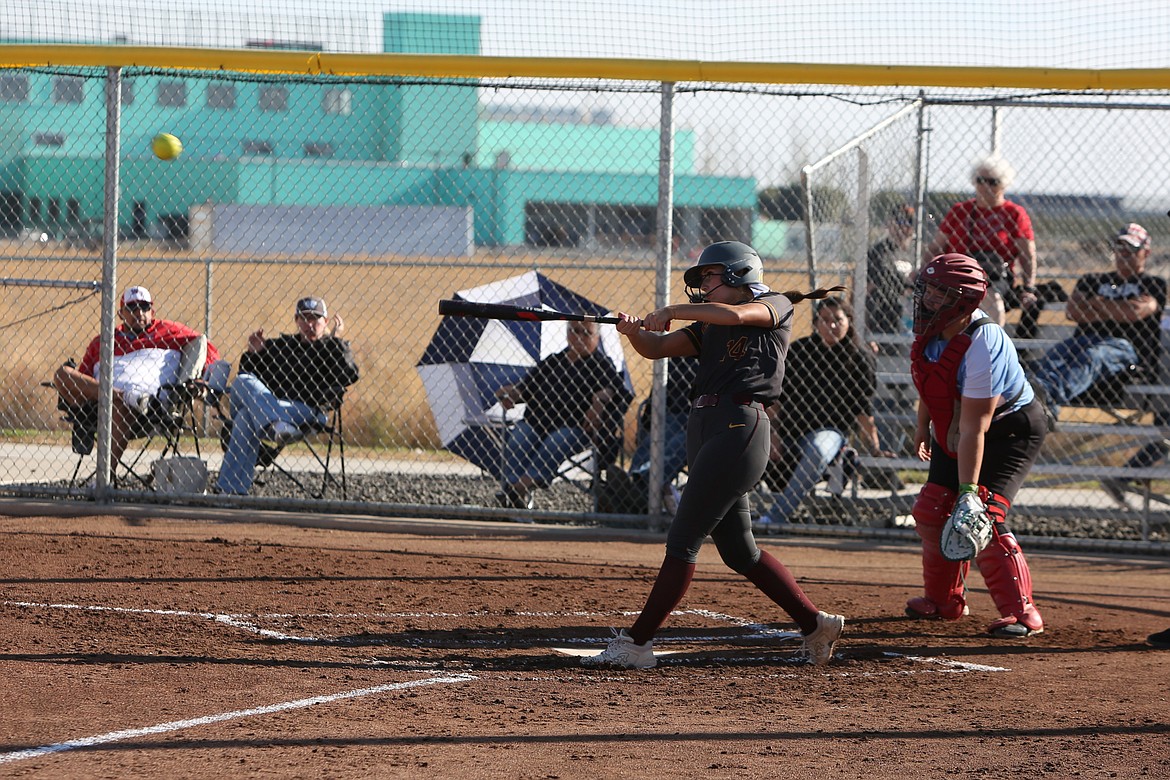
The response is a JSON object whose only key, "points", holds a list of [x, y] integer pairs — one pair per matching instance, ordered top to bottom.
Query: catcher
{"points": [[981, 427]]}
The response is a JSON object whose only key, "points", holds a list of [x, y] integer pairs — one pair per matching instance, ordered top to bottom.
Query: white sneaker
{"points": [[139, 402], [279, 433], [818, 646], [623, 653]]}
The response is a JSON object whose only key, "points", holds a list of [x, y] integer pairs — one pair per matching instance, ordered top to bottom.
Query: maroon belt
{"points": [[739, 399]]}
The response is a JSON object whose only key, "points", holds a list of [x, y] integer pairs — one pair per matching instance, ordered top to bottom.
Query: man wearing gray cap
{"points": [[1118, 315], [283, 383]]}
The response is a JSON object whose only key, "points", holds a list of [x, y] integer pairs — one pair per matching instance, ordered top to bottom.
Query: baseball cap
{"points": [[903, 215], [1135, 235], [134, 294], [311, 305]]}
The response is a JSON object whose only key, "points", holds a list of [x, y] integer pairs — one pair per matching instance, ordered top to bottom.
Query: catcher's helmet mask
{"points": [[741, 266], [963, 284]]}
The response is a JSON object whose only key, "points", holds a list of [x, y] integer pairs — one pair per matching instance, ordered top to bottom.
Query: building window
{"points": [[14, 89], [68, 89], [172, 94], [221, 96], [274, 99], [337, 100], [49, 139], [258, 147], [318, 149], [556, 224]]}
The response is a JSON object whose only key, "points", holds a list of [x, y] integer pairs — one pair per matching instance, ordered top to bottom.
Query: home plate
{"points": [[582, 652]]}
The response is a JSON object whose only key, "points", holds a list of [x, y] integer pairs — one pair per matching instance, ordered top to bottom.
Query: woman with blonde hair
{"points": [[998, 234]]}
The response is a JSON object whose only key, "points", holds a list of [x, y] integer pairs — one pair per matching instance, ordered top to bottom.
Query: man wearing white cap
{"points": [[1118, 315], [147, 355], [283, 383]]}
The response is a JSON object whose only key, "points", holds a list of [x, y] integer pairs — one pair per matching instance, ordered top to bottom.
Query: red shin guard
{"points": [[1005, 571], [942, 579]]}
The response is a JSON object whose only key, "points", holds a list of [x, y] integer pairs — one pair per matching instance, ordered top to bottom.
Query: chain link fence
{"points": [[383, 196]]}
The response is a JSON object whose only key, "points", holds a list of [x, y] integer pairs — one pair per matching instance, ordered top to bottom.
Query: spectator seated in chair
{"points": [[1117, 338], [153, 359], [282, 384], [829, 385], [575, 400]]}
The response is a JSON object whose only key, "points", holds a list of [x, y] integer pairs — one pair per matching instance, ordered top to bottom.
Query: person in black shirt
{"points": [[886, 286], [1118, 315], [739, 330], [282, 383], [828, 392], [574, 399]]}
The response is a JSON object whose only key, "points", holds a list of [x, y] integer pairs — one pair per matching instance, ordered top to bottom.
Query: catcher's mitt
{"points": [[967, 530]]}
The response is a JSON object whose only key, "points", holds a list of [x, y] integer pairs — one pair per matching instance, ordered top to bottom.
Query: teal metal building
{"points": [[572, 182]]}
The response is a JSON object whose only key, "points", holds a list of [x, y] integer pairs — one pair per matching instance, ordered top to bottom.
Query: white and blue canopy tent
{"points": [[468, 359]]}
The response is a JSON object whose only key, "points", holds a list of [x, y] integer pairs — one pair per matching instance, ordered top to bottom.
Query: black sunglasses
{"points": [[987, 180], [139, 306]]}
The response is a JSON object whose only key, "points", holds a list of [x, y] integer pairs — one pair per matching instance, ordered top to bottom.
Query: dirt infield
{"points": [[142, 646]]}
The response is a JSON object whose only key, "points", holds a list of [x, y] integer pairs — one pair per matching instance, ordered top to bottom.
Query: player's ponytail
{"points": [[795, 296]]}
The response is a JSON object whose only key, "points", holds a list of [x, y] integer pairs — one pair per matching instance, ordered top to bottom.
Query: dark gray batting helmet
{"points": [[741, 266]]}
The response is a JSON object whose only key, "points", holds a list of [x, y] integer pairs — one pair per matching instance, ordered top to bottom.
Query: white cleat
{"points": [[818, 646], [623, 653]]}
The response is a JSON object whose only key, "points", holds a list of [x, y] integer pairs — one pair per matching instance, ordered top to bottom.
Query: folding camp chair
{"points": [[169, 416], [168, 421], [320, 440], [324, 442], [584, 469]]}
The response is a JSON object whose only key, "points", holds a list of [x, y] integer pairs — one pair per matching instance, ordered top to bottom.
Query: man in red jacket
{"points": [[147, 355]]}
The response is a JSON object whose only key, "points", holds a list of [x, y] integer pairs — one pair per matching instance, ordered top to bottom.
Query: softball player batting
{"points": [[740, 331], [981, 427]]}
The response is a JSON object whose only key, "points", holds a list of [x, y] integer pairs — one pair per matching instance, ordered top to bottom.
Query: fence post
{"points": [[920, 162], [861, 245], [109, 282], [661, 297]]}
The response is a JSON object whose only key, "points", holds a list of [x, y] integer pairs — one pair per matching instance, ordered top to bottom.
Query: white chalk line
{"points": [[244, 622], [179, 725]]}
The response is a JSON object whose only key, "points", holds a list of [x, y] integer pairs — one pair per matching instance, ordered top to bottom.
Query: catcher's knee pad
{"points": [[932, 508], [1005, 571], [942, 579]]}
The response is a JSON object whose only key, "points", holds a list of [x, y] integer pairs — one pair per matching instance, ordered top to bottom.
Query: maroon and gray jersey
{"points": [[744, 359]]}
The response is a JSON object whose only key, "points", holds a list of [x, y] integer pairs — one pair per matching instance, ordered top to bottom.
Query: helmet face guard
{"points": [[741, 266], [955, 284]]}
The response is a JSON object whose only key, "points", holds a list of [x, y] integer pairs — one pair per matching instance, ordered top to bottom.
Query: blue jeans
{"points": [[1072, 366], [253, 407], [674, 448], [817, 450], [527, 454]]}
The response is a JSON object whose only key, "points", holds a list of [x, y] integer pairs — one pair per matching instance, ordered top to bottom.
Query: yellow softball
{"points": [[166, 146]]}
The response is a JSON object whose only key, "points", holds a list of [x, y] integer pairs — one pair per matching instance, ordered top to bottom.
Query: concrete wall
{"points": [[432, 231]]}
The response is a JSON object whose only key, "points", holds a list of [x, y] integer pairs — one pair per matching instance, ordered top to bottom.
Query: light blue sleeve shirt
{"points": [[990, 369]]}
